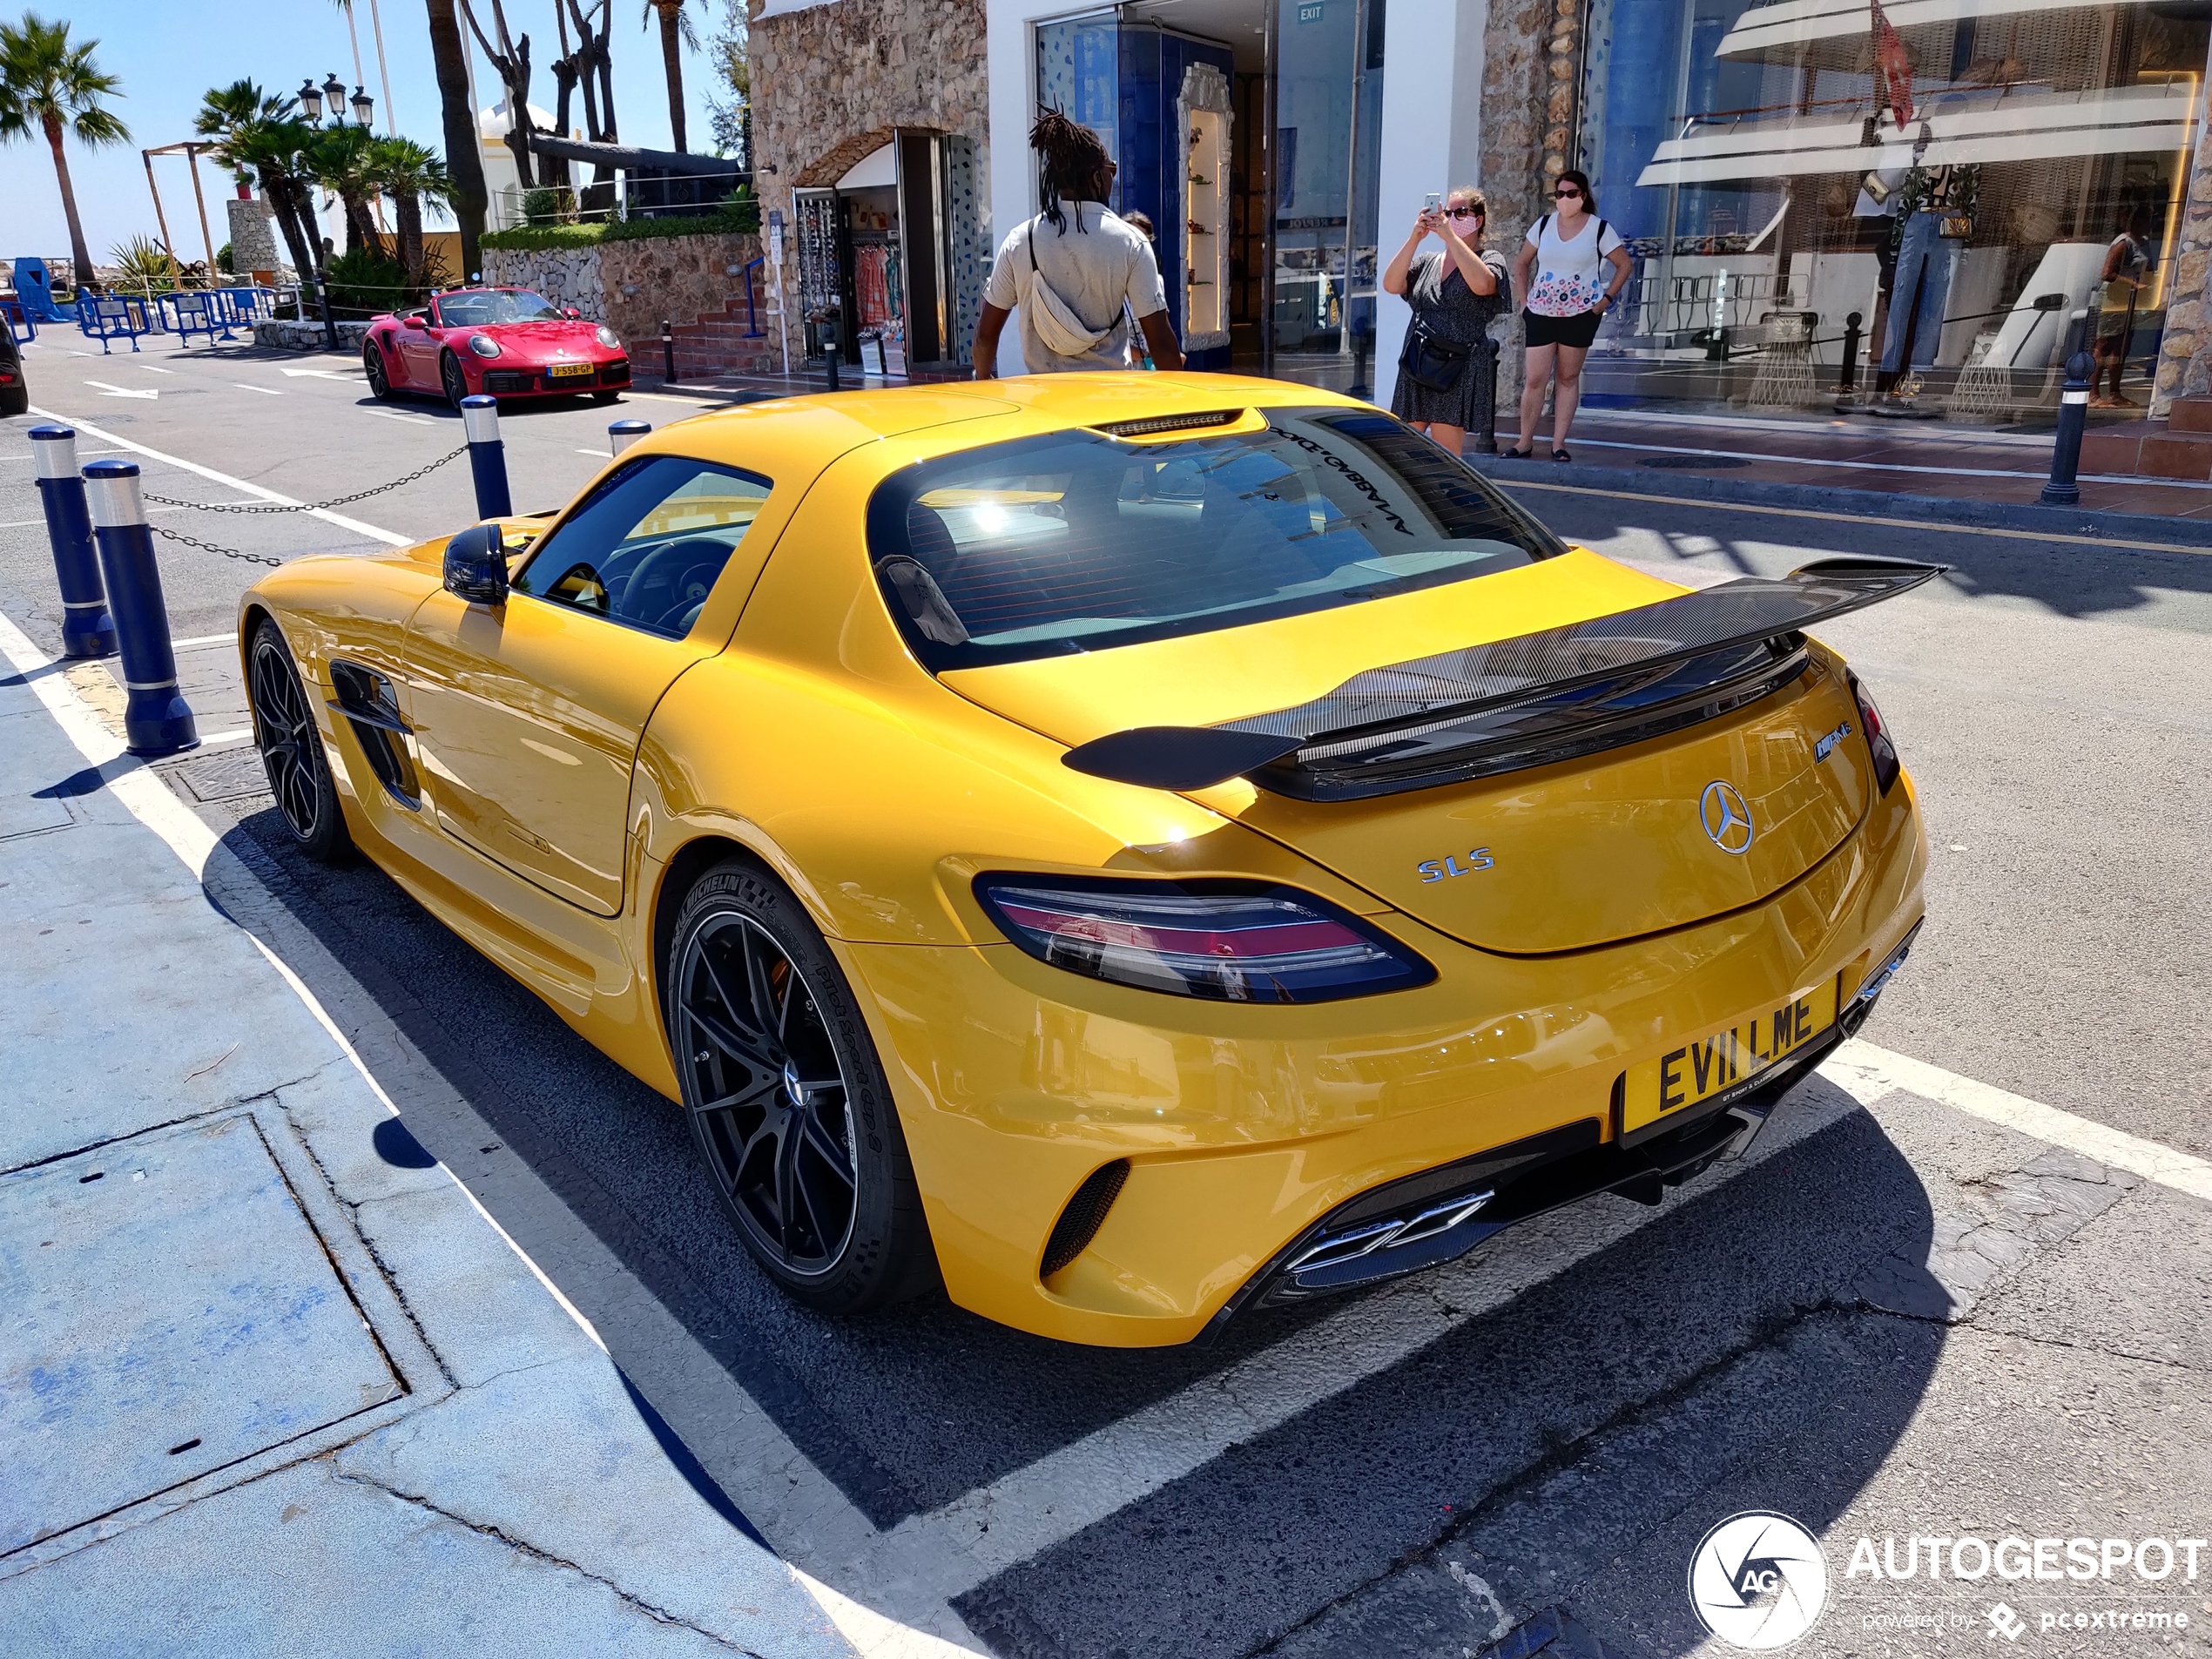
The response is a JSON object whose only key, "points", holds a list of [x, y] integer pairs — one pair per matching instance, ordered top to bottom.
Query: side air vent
{"points": [[1159, 423], [365, 697], [1085, 1214]]}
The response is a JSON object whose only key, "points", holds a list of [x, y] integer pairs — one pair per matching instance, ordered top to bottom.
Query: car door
{"points": [[418, 348], [528, 715]]}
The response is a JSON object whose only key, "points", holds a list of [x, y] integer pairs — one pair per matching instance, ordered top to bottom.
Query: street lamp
{"points": [[333, 92], [311, 102], [364, 107]]}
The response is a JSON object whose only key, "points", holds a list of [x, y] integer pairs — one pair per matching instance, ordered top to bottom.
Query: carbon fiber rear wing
{"points": [[1526, 701]]}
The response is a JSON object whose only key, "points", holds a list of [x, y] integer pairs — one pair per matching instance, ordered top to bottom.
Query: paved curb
{"points": [[2023, 516]]}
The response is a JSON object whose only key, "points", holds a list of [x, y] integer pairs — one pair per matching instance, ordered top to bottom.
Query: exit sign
{"points": [[1309, 11]]}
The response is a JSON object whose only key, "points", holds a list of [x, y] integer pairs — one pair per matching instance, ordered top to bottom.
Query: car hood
{"points": [[544, 341]]}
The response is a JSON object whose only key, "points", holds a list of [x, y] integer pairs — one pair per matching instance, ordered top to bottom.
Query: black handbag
{"points": [[1431, 361]]}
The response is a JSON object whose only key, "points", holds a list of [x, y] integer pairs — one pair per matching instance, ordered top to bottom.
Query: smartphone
{"points": [[1432, 202]]}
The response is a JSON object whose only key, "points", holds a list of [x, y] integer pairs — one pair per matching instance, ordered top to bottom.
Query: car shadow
{"points": [[911, 1409]]}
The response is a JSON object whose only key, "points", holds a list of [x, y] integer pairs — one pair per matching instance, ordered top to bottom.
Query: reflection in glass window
{"points": [[1964, 176], [1075, 541], [646, 548]]}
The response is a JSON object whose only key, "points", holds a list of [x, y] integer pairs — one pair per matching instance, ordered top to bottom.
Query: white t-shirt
{"points": [[1096, 270], [1570, 273]]}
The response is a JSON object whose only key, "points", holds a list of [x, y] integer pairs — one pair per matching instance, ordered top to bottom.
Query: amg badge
{"points": [[1827, 746]]}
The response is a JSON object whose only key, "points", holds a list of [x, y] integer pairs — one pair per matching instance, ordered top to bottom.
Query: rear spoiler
{"points": [[1456, 687]]}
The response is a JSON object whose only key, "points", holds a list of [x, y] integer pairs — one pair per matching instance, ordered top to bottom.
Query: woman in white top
{"points": [[1571, 292]]}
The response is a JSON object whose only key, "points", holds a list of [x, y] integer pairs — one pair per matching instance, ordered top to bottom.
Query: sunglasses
{"points": [[1565, 191], [1463, 213]]}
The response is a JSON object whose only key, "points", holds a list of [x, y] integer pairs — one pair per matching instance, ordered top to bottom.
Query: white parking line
{"points": [[266, 391], [394, 415], [603, 455], [373, 532], [204, 639], [1017, 1517]]}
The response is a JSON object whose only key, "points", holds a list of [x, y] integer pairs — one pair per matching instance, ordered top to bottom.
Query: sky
{"points": [[169, 54]]}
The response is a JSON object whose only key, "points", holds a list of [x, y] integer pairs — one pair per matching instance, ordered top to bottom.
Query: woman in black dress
{"points": [[1455, 292]]}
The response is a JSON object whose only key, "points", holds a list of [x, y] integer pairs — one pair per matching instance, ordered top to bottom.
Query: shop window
{"points": [[1986, 186]]}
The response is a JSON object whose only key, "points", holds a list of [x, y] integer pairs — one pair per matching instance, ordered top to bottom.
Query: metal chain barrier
{"points": [[304, 506], [210, 547]]}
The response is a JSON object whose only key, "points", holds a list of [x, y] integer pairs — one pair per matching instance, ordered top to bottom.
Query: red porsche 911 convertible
{"points": [[507, 342]]}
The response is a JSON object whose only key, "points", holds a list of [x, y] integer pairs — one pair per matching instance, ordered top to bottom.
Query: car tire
{"points": [[451, 377], [379, 383], [16, 401], [290, 739], [791, 1111]]}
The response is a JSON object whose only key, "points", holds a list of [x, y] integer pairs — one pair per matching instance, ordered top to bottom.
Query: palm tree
{"points": [[676, 33], [449, 52], [47, 83], [257, 137], [338, 159], [407, 172]]}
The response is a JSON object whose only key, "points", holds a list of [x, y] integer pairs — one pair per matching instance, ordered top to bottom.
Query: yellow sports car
{"points": [[1135, 849]]}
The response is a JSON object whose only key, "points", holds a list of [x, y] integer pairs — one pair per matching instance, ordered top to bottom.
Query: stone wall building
{"points": [[834, 83]]}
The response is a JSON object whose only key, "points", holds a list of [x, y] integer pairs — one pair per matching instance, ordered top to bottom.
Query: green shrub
{"points": [[548, 204], [734, 217], [223, 261], [142, 266], [367, 282]]}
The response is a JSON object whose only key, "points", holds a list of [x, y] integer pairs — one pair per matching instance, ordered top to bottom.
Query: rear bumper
{"points": [[1253, 1133], [1424, 1221]]}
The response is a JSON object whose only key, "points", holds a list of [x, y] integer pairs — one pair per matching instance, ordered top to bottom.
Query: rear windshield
{"points": [[1078, 541]]}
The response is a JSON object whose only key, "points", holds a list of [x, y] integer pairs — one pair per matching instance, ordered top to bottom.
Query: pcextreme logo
{"points": [[1759, 1581]]}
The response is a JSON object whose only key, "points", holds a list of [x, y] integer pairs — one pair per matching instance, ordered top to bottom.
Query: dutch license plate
{"points": [[562, 371], [1697, 1071]]}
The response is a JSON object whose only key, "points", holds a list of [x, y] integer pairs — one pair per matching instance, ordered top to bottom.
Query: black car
{"points": [[14, 395]]}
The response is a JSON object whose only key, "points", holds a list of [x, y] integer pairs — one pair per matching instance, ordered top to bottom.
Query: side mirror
{"points": [[573, 314], [417, 320], [476, 566]]}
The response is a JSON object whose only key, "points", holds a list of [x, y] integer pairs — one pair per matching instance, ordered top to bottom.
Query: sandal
{"points": [[1521, 455], [1561, 455]]}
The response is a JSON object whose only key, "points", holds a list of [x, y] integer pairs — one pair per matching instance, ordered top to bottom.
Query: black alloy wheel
{"points": [[453, 379], [380, 384], [292, 752], [787, 1104]]}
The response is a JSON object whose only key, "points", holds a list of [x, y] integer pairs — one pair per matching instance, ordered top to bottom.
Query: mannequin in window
{"points": [[1935, 213], [2127, 268]]}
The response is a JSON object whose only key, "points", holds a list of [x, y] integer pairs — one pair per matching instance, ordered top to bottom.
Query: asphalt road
{"points": [[1896, 1318]]}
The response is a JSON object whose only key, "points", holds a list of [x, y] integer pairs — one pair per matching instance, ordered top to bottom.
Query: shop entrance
{"points": [[1247, 133], [890, 258]]}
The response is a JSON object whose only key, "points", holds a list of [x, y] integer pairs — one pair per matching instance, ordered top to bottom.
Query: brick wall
{"points": [[635, 286]]}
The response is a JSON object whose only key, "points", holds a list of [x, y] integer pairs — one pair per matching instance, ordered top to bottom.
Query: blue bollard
{"points": [[621, 433], [2065, 444], [486, 455], [87, 630], [156, 719]]}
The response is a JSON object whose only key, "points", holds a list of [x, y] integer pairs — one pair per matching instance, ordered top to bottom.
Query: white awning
{"points": [[777, 8], [1772, 29], [2033, 126]]}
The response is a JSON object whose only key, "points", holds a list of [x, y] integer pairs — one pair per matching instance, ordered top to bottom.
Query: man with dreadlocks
{"points": [[1078, 273]]}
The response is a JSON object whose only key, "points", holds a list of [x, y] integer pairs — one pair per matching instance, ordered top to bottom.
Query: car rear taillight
{"points": [[1878, 734], [1234, 941]]}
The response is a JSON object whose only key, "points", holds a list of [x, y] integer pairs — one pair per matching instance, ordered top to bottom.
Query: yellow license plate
{"points": [[562, 370], [1697, 1071]]}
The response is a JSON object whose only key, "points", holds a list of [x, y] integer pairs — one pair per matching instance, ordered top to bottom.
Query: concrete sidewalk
{"points": [[270, 1381]]}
